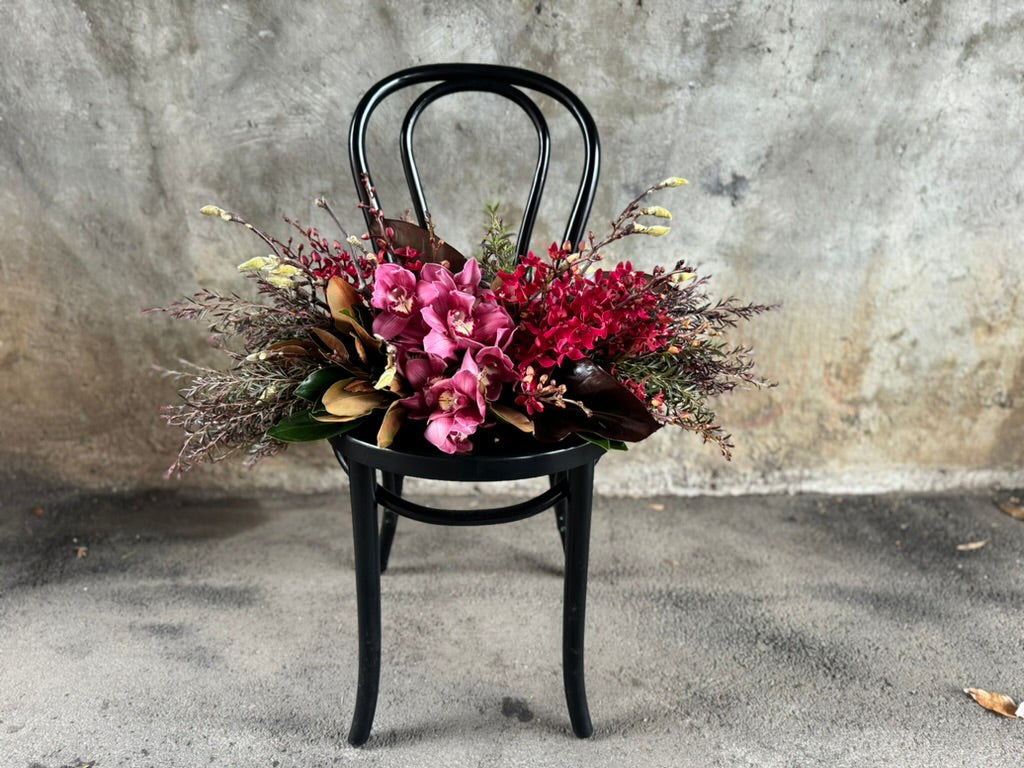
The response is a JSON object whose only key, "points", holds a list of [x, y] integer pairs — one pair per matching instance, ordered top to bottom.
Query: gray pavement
{"points": [[747, 631]]}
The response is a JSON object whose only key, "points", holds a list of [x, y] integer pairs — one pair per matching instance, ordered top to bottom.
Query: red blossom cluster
{"points": [[568, 310]]}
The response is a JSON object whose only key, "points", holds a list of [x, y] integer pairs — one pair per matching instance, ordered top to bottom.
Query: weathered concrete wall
{"points": [[860, 163]]}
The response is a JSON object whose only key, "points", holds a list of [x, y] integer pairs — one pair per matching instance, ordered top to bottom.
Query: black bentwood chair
{"points": [[569, 465]]}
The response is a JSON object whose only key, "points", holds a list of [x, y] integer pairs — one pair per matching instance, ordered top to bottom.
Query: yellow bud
{"points": [[672, 181], [213, 210], [656, 210], [656, 231], [353, 240], [258, 263], [285, 270], [683, 277], [280, 282]]}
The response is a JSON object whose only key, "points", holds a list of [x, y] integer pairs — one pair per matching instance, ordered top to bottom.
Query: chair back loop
{"points": [[507, 82]]}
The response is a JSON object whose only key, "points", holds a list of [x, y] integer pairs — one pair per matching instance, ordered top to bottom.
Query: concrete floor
{"points": [[162, 630]]}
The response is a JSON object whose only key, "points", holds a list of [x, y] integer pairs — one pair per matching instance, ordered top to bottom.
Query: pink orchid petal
{"points": [[438, 274], [469, 278], [435, 317], [488, 321], [389, 325], [436, 343], [418, 370]]}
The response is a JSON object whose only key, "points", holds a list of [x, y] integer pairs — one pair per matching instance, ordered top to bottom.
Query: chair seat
{"points": [[497, 455]]}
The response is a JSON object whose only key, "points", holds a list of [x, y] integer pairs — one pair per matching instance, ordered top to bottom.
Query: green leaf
{"points": [[318, 382], [301, 427], [604, 442]]}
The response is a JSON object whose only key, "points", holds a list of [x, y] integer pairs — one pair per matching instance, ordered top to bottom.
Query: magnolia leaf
{"points": [[431, 248], [342, 298], [347, 324], [333, 343], [293, 348], [361, 349], [314, 385], [360, 386], [339, 401], [615, 413], [510, 415], [389, 426], [302, 427], [604, 442], [1013, 507], [999, 703]]}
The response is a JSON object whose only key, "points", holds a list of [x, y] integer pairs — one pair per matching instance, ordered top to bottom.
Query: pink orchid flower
{"points": [[395, 294], [461, 315], [496, 369], [454, 408]]}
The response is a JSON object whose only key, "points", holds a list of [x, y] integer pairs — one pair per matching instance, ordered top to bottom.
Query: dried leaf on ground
{"points": [[657, 507], [1013, 507], [38, 511], [971, 545], [81, 552], [999, 703]]}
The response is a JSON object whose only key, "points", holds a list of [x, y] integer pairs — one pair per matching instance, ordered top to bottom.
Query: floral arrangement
{"points": [[397, 332]]}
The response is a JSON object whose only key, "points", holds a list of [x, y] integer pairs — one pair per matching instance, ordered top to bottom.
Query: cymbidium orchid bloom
{"points": [[394, 293], [462, 314], [496, 369], [454, 408]]}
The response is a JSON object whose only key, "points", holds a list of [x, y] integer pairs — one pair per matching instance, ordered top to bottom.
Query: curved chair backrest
{"points": [[508, 82]]}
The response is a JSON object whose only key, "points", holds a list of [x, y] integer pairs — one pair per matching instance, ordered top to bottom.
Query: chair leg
{"points": [[362, 481], [560, 507], [389, 523], [577, 553]]}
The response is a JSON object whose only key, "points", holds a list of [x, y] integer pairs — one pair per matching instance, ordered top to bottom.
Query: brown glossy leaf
{"points": [[433, 249], [342, 298], [333, 343], [293, 348], [361, 349], [361, 386], [339, 401], [615, 413], [510, 415], [328, 418], [390, 425], [1013, 507], [999, 703]]}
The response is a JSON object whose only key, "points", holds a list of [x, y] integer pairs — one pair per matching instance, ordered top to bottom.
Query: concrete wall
{"points": [[858, 162]]}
